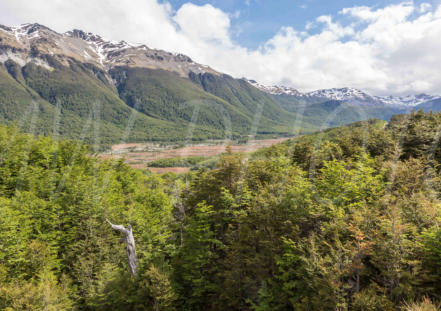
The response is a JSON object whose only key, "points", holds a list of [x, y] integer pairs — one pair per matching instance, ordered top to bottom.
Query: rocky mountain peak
{"points": [[77, 33], [21, 43], [275, 89], [345, 93], [349, 94]]}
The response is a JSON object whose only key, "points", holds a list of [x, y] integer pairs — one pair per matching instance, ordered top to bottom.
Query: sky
{"points": [[258, 20], [382, 47]]}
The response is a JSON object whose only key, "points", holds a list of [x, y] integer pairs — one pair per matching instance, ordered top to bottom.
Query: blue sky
{"points": [[259, 20]]}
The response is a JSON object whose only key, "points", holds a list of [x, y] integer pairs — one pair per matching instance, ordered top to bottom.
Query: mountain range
{"points": [[79, 85], [347, 94]]}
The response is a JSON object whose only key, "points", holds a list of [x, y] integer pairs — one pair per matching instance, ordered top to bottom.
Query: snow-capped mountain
{"points": [[27, 42], [30, 42], [275, 90], [331, 94], [340, 94], [347, 94], [409, 100]]}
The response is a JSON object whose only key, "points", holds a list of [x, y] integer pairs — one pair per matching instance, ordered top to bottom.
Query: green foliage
{"points": [[81, 101], [177, 162], [54, 199], [344, 219], [432, 259]]}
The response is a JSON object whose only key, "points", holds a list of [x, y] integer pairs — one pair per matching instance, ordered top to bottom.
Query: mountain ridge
{"points": [[89, 47], [111, 53], [76, 69], [73, 74], [346, 94]]}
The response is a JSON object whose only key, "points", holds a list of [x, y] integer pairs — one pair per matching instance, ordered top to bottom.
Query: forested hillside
{"points": [[80, 86], [345, 219]]}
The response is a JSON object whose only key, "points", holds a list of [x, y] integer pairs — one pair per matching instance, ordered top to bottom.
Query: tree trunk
{"points": [[130, 246]]}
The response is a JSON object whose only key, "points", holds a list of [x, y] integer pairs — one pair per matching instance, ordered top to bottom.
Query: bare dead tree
{"points": [[130, 245]]}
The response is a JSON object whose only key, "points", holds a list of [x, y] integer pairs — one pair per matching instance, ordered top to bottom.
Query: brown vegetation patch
{"points": [[137, 155]]}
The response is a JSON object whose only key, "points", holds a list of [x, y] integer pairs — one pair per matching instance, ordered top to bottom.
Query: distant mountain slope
{"points": [[81, 72], [82, 86], [346, 94], [79, 96], [167, 96], [16, 101], [348, 104], [434, 105], [266, 112], [333, 113]]}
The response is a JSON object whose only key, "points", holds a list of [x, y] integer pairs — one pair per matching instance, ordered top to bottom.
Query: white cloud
{"points": [[424, 7], [203, 23], [394, 49]]}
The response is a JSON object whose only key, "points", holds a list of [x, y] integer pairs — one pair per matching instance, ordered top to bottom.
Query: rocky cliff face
{"points": [[33, 42]]}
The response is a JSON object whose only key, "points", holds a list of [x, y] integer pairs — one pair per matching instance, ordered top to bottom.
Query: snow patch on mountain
{"points": [[35, 41], [275, 90], [347, 94], [409, 100]]}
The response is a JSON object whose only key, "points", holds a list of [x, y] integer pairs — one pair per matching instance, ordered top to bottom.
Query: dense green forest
{"points": [[134, 104], [194, 162], [345, 219]]}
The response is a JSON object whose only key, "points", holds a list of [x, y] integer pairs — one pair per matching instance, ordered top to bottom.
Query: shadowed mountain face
{"points": [[81, 86], [434, 105]]}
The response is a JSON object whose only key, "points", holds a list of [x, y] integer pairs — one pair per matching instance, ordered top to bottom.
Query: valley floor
{"points": [[139, 155]]}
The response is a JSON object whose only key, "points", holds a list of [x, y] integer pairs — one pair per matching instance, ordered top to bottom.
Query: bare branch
{"points": [[130, 245]]}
